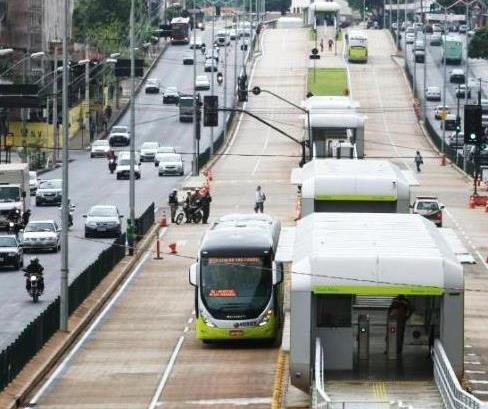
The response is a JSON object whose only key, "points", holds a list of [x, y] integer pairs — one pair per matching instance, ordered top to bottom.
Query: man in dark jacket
{"points": [[173, 204], [205, 204]]}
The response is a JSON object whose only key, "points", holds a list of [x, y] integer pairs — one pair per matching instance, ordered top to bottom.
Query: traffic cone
{"points": [[472, 203], [486, 207], [162, 221], [172, 248]]}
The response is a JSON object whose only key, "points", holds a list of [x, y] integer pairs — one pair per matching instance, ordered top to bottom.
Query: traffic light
{"points": [[242, 91], [210, 110], [458, 124], [473, 130]]}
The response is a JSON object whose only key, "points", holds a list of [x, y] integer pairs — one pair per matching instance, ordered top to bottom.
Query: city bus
{"points": [[180, 30], [357, 46], [452, 49], [238, 284]]}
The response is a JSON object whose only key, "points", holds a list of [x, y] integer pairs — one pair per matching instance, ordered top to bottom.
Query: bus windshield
{"points": [[236, 287]]}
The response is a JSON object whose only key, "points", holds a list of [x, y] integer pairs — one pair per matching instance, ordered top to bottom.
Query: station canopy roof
{"points": [[325, 6], [323, 103], [340, 119], [351, 178], [373, 254]]}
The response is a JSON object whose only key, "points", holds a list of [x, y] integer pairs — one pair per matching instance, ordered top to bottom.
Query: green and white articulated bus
{"points": [[357, 46], [452, 50], [238, 284]]}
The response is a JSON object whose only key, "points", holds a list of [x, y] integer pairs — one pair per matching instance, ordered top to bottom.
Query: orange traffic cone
{"points": [[162, 221], [172, 248]]}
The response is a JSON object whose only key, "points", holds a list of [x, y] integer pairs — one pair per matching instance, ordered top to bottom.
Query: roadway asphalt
{"points": [[92, 184]]}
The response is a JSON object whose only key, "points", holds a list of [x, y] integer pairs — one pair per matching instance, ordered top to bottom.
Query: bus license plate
{"points": [[236, 332]]}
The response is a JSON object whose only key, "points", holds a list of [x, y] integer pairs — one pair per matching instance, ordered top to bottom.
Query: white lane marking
{"points": [[266, 141], [467, 238], [89, 332], [468, 346], [471, 354], [472, 362], [167, 372], [472, 372], [480, 382], [479, 392], [230, 402]]}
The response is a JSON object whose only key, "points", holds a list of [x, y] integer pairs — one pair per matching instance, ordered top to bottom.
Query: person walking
{"points": [[331, 43], [321, 45], [92, 130], [418, 161], [260, 199], [205, 201], [173, 204], [187, 206], [400, 310]]}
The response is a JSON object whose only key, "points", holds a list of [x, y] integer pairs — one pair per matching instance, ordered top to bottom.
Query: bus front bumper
{"points": [[266, 331]]}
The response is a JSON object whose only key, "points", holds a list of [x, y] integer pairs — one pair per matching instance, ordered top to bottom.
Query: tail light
{"points": [[439, 215]]}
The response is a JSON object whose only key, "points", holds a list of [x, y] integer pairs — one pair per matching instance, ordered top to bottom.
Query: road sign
{"points": [[315, 51], [256, 90]]}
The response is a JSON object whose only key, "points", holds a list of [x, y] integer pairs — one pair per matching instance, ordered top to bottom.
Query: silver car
{"points": [[170, 164], [49, 192], [103, 220], [41, 235]]}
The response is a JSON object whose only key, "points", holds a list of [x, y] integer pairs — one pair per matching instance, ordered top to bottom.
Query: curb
{"points": [[85, 320], [278, 386]]}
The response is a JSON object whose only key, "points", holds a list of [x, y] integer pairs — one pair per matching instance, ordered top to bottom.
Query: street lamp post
{"points": [[444, 74], [212, 83], [196, 123], [132, 191], [64, 301]]}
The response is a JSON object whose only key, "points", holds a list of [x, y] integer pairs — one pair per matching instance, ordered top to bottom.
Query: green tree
{"points": [[478, 46]]}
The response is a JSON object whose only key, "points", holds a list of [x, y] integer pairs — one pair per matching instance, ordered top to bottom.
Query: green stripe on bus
{"points": [[357, 198], [377, 290]]}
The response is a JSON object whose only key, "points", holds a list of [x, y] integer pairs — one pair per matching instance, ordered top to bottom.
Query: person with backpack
{"points": [[260, 199]]}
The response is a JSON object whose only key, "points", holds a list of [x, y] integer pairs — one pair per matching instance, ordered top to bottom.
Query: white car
{"points": [[233, 34], [410, 38], [436, 39], [197, 43], [188, 59], [211, 64], [202, 83], [152, 86], [433, 94], [171, 95], [119, 136], [99, 148], [163, 150], [148, 151], [126, 155], [170, 164], [123, 169], [33, 181], [103, 220], [41, 235]]}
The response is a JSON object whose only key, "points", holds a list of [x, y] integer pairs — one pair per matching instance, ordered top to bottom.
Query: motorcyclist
{"points": [[220, 78], [173, 204], [25, 217], [34, 268]]}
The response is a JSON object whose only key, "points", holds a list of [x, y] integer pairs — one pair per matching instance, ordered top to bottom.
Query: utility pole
{"points": [[398, 25], [235, 51], [414, 63], [466, 70], [444, 73], [212, 83], [424, 83], [225, 89], [87, 92], [55, 108], [23, 112], [196, 123], [132, 187], [65, 205]]}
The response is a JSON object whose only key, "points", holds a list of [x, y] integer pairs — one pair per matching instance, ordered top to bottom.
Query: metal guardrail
{"points": [[453, 395]]}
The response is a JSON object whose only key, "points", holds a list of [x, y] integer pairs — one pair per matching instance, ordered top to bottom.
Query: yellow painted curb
{"points": [[279, 380]]}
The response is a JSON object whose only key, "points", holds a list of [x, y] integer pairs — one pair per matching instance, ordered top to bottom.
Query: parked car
{"points": [[436, 39], [188, 58], [457, 76], [202, 83], [152, 86], [461, 91], [433, 94], [170, 95], [440, 110], [99, 148], [148, 151], [170, 164], [123, 169], [33, 182], [49, 192], [430, 208], [103, 221], [41, 235], [11, 253]]}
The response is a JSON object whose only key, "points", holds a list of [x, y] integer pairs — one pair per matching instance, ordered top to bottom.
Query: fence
{"points": [[145, 221], [39, 331]]}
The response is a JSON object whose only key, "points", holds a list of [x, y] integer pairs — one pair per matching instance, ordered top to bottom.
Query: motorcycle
{"points": [[220, 78], [111, 165], [72, 208], [193, 215], [34, 279], [34, 287]]}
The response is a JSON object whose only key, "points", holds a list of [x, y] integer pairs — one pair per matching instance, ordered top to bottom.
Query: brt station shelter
{"points": [[321, 13], [332, 119], [349, 185], [346, 270]]}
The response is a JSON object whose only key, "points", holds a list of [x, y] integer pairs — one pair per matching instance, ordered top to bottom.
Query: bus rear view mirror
{"points": [[277, 273], [192, 276]]}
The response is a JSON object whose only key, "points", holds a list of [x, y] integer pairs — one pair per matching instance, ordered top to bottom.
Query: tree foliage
{"points": [[478, 46]]}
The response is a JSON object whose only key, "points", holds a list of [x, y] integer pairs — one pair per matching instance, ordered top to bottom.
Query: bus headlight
{"points": [[266, 317], [206, 320]]}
